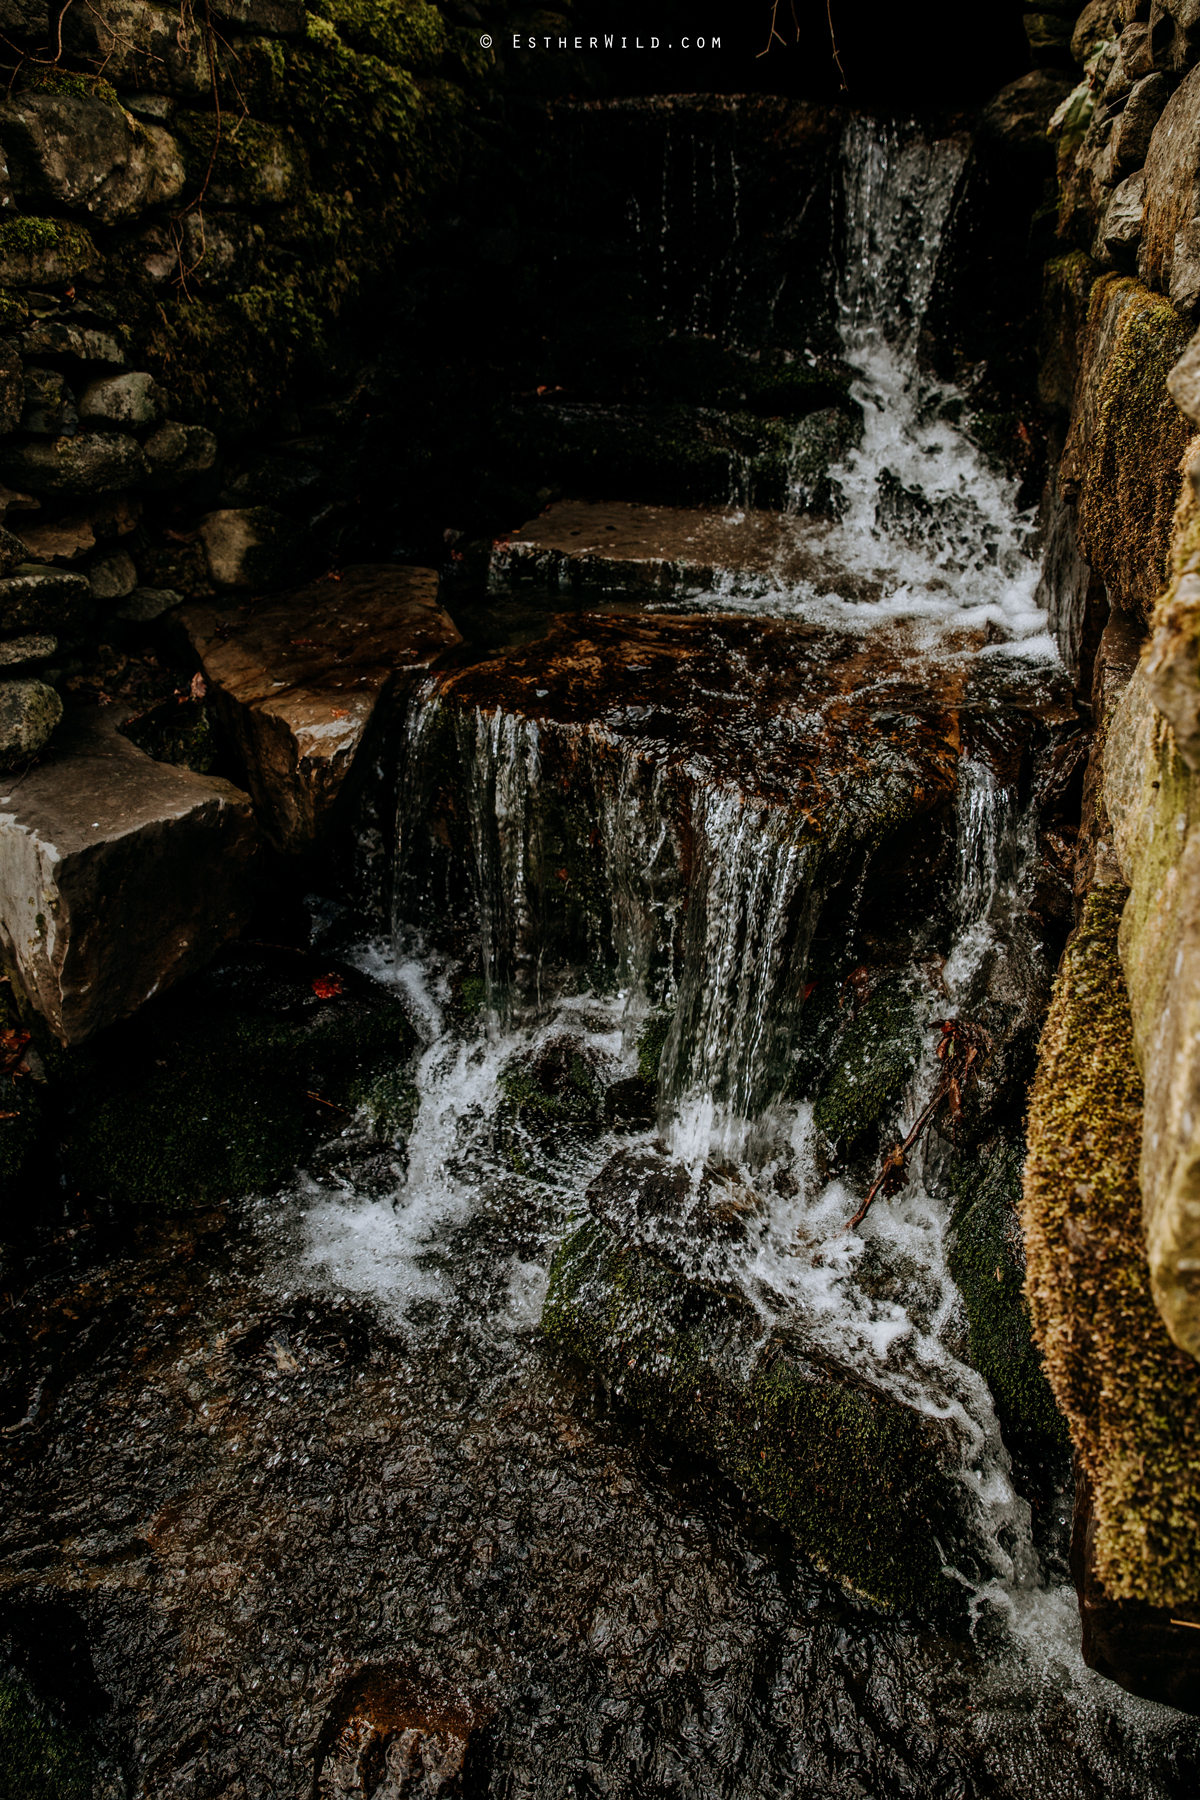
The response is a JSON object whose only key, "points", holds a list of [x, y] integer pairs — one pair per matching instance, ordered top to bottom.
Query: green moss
{"points": [[408, 33], [47, 79], [13, 310], [1130, 463], [651, 1042], [875, 1057], [550, 1100], [987, 1262], [1131, 1397], [855, 1477], [40, 1760]]}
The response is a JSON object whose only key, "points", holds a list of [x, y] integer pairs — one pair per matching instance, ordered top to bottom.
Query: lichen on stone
{"points": [[1130, 1396]]}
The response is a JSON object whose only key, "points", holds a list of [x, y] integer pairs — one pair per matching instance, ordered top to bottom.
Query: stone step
{"points": [[671, 552], [300, 681], [119, 875]]}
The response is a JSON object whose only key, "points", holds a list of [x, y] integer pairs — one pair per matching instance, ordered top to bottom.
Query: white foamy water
{"points": [[925, 520]]}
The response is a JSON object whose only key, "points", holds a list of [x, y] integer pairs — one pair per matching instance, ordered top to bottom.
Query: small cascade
{"points": [[922, 514]]}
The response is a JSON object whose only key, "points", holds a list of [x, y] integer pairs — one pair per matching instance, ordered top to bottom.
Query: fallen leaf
{"points": [[198, 688], [338, 712], [327, 987]]}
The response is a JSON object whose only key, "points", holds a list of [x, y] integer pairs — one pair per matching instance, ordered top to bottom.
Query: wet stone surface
{"points": [[296, 1536]]}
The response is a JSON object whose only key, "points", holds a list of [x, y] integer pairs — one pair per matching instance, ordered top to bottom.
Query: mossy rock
{"points": [[46, 252], [1135, 439], [651, 1042], [875, 1058], [232, 1080], [552, 1100], [987, 1261], [1131, 1397], [859, 1479], [39, 1759]]}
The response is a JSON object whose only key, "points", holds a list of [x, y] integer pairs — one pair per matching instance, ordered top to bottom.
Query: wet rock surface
{"points": [[595, 546], [299, 683], [118, 875], [643, 1294]]}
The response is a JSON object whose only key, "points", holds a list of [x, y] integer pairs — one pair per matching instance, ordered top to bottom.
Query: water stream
{"points": [[419, 1480]]}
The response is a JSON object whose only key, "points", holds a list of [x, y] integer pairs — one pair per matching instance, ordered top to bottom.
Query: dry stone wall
{"points": [[191, 200]]}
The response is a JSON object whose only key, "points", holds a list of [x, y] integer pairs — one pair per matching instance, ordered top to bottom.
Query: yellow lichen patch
{"points": [[1127, 439], [1130, 1396]]}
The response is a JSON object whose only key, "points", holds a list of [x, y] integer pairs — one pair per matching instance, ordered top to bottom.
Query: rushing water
{"points": [[383, 1465]]}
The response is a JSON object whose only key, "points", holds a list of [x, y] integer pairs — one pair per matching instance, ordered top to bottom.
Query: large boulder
{"points": [[140, 46], [1169, 258], [1122, 455], [43, 600], [301, 683], [118, 875], [1129, 1394]]}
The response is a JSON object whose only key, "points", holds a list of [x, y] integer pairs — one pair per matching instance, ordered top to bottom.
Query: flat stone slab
{"points": [[616, 546], [300, 681], [118, 875]]}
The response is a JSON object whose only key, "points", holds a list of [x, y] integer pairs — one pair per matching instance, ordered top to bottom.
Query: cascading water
{"points": [[585, 905]]}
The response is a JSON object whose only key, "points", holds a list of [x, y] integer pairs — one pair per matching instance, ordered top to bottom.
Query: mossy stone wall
{"points": [[1130, 1396]]}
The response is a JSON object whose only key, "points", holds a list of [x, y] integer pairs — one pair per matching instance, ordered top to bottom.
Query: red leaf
{"points": [[327, 987]]}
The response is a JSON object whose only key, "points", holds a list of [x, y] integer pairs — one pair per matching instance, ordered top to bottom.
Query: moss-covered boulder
{"points": [[1126, 439], [875, 1056], [552, 1099], [987, 1261], [636, 1292]]}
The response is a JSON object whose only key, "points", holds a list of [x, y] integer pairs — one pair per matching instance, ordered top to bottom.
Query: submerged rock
{"points": [[302, 682], [637, 1291]]}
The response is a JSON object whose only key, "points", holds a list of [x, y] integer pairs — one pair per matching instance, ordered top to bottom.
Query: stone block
{"points": [[271, 18], [140, 46], [88, 154], [45, 253], [57, 337], [12, 386], [129, 401], [49, 405], [174, 453], [90, 463], [252, 547], [114, 576], [52, 600], [16, 653], [301, 682], [29, 711], [119, 875]]}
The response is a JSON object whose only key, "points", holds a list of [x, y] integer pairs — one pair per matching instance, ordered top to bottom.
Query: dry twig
{"points": [[962, 1052]]}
